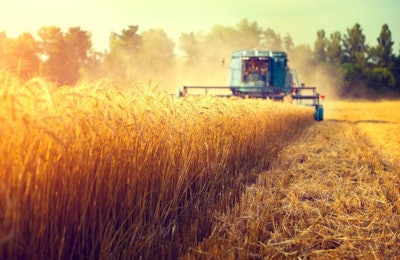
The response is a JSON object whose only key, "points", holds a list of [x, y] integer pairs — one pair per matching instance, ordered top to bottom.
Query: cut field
{"points": [[378, 121], [333, 193]]}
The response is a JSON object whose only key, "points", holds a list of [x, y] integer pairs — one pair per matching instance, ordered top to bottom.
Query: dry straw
{"points": [[334, 193]]}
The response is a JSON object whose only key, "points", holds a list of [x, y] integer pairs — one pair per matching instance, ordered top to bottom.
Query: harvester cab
{"points": [[263, 74]]}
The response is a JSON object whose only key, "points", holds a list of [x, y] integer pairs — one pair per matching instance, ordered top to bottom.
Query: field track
{"points": [[335, 192]]}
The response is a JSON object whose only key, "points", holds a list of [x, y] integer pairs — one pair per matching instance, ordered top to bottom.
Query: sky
{"points": [[300, 18]]}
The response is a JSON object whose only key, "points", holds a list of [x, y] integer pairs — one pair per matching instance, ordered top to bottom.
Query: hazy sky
{"points": [[300, 18]]}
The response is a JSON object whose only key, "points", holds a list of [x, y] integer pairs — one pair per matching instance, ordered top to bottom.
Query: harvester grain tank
{"points": [[264, 74]]}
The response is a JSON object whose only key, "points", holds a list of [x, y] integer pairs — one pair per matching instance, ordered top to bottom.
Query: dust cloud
{"points": [[212, 68], [216, 73], [180, 74], [314, 76], [171, 77]]}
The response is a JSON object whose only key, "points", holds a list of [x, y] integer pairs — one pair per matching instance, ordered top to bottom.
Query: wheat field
{"points": [[91, 172]]}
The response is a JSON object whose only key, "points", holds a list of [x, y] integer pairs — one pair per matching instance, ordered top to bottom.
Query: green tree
{"points": [[248, 34], [130, 40], [272, 40], [220, 41], [190, 44], [288, 44], [386, 44], [125, 46], [320, 47], [78, 48], [355, 48], [334, 49], [25, 52], [156, 52], [53, 53], [64, 54], [382, 54], [19, 56], [334, 57], [121, 60], [302, 60], [354, 68], [396, 71], [380, 74], [379, 77], [354, 79]]}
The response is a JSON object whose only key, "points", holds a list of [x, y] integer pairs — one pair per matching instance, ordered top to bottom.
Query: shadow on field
{"points": [[372, 121]]}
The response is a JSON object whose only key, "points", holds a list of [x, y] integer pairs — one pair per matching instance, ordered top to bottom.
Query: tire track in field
{"points": [[328, 194]]}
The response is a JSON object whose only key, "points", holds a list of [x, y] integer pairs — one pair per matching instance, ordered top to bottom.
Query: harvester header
{"points": [[263, 74]]}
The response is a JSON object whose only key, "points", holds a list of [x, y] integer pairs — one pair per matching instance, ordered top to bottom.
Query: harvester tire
{"points": [[319, 113]]}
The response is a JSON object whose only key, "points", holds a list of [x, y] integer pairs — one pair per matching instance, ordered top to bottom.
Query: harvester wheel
{"points": [[319, 113]]}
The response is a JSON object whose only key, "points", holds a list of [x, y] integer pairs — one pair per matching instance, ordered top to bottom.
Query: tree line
{"points": [[65, 57], [361, 70]]}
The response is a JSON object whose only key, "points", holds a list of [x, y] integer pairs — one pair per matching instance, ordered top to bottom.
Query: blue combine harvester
{"points": [[264, 74]]}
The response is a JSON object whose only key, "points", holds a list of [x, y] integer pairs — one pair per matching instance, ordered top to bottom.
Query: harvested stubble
{"points": [[379, 121], [88, 172], [331, 194]]}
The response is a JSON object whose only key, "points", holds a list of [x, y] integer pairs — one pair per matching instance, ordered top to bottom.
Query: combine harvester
{"points": [[262, 74]]}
